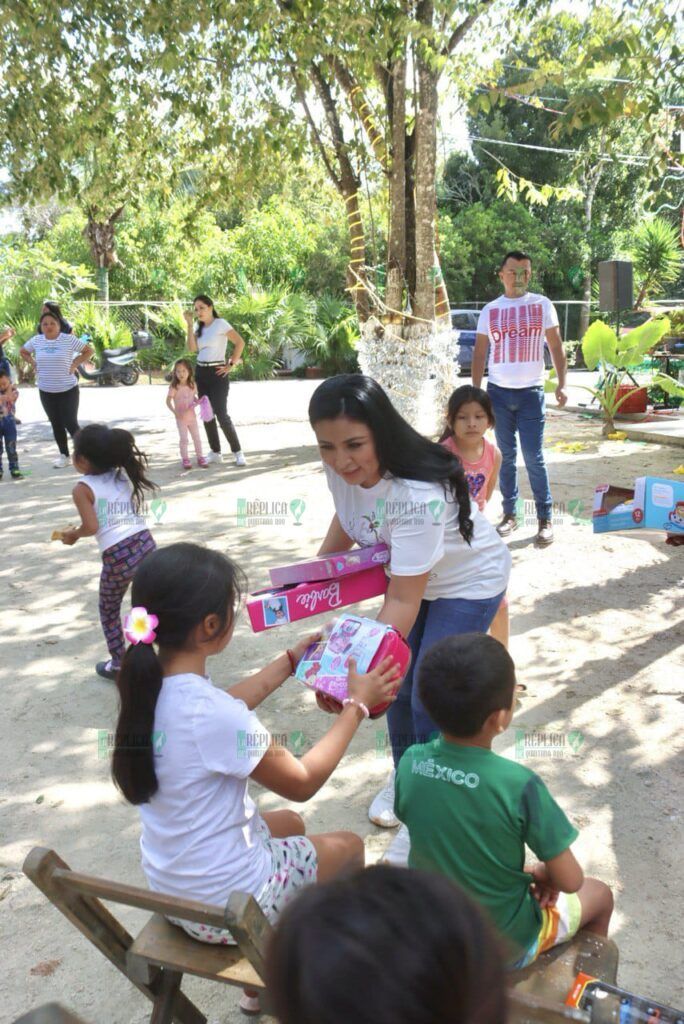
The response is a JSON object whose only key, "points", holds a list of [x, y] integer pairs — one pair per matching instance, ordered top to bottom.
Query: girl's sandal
{"points": [[249, 1003]]}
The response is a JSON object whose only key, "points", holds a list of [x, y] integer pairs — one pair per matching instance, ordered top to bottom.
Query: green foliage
{"points": [[471, 247], [657, 256], [29, 275], [24, 327], [104, 329], [331, 344]]}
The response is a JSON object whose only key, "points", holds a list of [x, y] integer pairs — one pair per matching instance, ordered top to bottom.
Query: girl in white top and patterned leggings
{"points": [[213, 371], [109, 498]]}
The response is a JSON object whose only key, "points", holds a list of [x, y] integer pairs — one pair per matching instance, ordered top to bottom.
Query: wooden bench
{"points": [[162, 953], [538, 992]]}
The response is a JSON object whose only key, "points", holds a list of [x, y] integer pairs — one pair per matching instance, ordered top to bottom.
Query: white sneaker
{"points": [[214, 457], [240, 459], [61, 462], [381, 811], [397, 853]]}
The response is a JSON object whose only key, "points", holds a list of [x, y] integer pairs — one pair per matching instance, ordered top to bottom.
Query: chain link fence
{"points": [[134, 314]]}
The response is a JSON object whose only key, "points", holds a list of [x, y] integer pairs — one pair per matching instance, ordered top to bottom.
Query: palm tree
{"points": [[657, 257]]}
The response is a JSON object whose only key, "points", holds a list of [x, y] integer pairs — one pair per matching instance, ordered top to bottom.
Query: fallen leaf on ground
{"points": [[619, 435], [570, 446], [679, 470], [45, 968]]}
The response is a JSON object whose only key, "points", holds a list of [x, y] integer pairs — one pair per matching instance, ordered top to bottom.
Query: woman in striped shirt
{"points": [[55, 357]]}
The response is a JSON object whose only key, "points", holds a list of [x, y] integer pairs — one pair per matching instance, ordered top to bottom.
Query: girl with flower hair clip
{"points": [[109, 498], [185, 749]]}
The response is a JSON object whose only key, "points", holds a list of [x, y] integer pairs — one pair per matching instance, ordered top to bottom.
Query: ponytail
{"points": [[107, 448], [181, 585], [139, 682]]}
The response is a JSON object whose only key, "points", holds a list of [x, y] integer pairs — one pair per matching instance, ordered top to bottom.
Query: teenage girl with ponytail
{"points": [[109, 498], [449, 567], [185, 749]]}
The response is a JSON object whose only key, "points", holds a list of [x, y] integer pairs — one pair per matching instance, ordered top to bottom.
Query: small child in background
{"points": [[5, 365], [182, 400], [469, 416], [8, 424], [109, 499], [470, 813], [386, 945]]}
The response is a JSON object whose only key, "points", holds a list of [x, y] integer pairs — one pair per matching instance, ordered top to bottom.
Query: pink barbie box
{"points": [[340, 563], [268, 608], [325, 664]]}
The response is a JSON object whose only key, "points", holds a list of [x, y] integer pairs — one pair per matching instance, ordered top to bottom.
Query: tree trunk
{"points": [[426, 159], [348, 185], [591, 185], [410, 213], [101, 235], [396, 240], [356, 271]]}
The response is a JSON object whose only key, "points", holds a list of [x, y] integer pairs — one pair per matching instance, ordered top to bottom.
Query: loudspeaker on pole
{"points": [[616, 288]]}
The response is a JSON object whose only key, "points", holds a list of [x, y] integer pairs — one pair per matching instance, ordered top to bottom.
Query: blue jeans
{"points": [[521, 410], [8, 433], [407, 720]]}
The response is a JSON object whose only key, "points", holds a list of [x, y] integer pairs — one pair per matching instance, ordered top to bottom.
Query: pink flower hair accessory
{"points": [[139, 626]]}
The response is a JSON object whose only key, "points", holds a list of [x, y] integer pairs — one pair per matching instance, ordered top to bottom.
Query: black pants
{"points": [[215, 387], [62, 411]]}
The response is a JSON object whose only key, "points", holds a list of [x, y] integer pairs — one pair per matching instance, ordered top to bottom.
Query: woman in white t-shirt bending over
{"points": [[209, 341], [449, 568], [185, 749]]}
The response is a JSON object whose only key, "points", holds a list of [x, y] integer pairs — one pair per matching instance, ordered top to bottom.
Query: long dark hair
{"points": [[207, 302], [466, 393], [107, 448], [401, 450], [181, 584], [386, 945]]}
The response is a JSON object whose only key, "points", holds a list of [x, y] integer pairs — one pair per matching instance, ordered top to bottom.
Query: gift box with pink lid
{"points": [[325, 567], [276, 607]]}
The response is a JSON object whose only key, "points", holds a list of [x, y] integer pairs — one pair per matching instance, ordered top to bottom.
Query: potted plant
{"points": [[614, 357]]}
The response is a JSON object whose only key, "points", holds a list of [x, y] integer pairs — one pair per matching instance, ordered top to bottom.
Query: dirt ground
{"points": [[596, 636]]}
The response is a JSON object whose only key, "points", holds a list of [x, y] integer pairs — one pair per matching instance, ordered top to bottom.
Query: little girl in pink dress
{"points": [[182, 400], [469, 416]]}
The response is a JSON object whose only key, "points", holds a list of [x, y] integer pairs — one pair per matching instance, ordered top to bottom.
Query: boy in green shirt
{"points": [[470, 813]]}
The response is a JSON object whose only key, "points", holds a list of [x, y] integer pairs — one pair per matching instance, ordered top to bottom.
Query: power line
{"points": [[635, 159]]}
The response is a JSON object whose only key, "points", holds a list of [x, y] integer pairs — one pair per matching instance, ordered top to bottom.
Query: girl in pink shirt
{"points": [[182, 401], [469, 417]]}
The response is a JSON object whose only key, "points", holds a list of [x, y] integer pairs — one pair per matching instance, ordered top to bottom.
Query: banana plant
{"points": [[614, 357]]}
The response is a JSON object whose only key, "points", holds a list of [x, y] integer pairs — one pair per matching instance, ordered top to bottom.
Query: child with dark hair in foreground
{"points": [[470, 812], [385, 945]]}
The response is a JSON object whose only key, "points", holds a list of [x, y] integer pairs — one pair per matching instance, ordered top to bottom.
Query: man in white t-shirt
{"points": [[514, 327]]}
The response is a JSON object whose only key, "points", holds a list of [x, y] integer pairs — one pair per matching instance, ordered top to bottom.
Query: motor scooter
{"points": [[118, 365]]}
